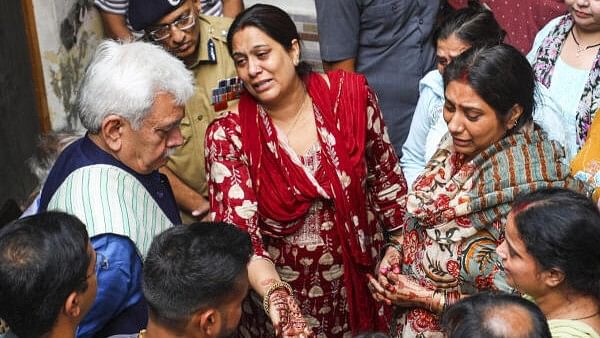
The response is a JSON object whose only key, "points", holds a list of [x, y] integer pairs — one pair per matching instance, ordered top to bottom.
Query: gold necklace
{"points": [[298, 114]]}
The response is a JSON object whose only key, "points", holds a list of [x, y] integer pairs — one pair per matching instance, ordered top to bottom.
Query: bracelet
{"points": [[392, 244], [275, 286], [443, 294], [451, 298], [432, 300], [443, 301]]}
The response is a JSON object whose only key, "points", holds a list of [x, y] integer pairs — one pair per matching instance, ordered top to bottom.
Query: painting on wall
{"points": [[67, 34], [64, 35]]}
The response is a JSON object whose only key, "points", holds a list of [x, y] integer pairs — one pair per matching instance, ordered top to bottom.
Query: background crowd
{"points": [[439, 179]]}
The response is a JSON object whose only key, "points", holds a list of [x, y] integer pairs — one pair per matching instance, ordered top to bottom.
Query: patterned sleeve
{"points": [[113, 6], [385, 181], [230, 190], [480, 265]]}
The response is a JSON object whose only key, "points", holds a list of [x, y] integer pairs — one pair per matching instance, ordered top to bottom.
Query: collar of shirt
{"points": [[208, 30]]}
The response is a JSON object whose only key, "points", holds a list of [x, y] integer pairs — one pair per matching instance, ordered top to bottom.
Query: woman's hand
{"points": [[388, 266], [403, 291], [286, 316]]}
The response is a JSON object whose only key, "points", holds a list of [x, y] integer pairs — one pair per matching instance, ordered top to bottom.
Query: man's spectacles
{"points": [[163, 32]]}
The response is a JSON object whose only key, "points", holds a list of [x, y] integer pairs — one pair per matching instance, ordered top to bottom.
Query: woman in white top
{"points": [[467, 27], [566, 60]]}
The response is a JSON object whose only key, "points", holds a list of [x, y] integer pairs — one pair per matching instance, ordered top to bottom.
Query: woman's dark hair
{"points": [[274, 22], [474, 25], [500, 75], [561, 230], [477, 316]]}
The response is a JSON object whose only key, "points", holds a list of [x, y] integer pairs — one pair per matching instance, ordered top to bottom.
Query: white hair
{"points": [[123, 78]]}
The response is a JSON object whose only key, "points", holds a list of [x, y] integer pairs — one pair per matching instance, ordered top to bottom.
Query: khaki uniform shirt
{"points": [[188, 161]]}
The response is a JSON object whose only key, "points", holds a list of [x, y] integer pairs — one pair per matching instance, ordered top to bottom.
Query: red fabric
{"points": [[521, 19], [286, 193]]}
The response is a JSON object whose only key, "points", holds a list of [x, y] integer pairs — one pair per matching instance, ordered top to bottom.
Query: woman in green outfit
{"points": [[551, 253]]}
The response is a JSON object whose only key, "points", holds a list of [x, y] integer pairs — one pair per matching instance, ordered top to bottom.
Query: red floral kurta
{"points": [[311, 258]]}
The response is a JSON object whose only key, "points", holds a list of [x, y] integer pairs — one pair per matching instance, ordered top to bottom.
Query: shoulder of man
{"points": [[216, 26]]}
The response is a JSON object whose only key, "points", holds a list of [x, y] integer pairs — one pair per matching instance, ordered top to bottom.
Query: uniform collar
{"points": [[208, 31]]}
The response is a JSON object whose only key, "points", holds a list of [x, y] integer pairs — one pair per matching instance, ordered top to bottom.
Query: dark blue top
{"points": [[84, 152]]}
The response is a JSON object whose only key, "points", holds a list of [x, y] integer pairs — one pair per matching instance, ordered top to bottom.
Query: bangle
{"points": [[393, 244], [275, 286], [452, 298], [432, 300], [442, 303]]}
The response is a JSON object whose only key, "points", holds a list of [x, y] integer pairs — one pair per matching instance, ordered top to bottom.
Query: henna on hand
{"points": [[390, 264], [405, 292], [287, 316]]}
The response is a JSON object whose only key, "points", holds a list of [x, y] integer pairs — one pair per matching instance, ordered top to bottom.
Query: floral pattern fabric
{"points": [[543, 68], [456, 215], [311, 257]]}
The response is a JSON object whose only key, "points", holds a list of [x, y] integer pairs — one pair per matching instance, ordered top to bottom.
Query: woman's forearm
{"points": [[262, 274]]}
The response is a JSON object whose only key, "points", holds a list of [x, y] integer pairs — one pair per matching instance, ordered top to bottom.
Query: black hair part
{"points": [[274, 22], [474, 25], [501, 76], [561, 230]]}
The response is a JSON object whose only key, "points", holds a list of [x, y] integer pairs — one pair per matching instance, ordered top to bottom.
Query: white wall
{"points": [[303, 13]]}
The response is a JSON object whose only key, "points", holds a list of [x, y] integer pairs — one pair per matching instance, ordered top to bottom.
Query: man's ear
{"points": [[111, 130], [553, 277], [72, 308], [208, 321]]}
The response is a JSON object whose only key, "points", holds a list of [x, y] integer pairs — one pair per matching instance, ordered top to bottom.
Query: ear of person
{"points": [[295, 51], [515, 114], [111, 129], [553, 277], [72, 308], [208, 321]]}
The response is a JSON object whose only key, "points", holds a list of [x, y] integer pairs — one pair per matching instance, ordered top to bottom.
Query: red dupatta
{"points": [[285, 193]]}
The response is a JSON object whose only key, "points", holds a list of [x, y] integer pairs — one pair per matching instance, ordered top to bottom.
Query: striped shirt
{"points": [[209, 7], [108, 196]]}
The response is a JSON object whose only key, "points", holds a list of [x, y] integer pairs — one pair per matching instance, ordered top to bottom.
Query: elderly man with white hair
{"points": [[131, 102]]}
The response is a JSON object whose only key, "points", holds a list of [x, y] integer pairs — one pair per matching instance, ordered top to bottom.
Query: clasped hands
{"points": [[392, 287]]}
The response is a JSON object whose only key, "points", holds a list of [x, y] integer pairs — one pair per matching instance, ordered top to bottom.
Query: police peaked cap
{"points": [[143, 13]]}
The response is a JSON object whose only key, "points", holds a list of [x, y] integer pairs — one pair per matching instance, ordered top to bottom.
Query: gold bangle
{"points": [[275, 286], [432, 300], [443, 301]]}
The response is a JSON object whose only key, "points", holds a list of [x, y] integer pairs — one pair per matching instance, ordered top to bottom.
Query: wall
{"points": [[304, 14], [68, 32], [19, 124]]}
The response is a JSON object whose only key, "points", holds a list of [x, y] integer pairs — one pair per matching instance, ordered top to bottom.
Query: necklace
{"points": [[581, 49], [298, 114]]}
